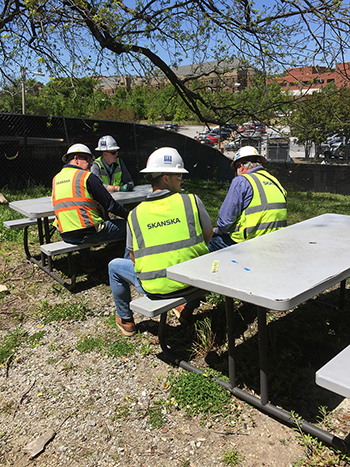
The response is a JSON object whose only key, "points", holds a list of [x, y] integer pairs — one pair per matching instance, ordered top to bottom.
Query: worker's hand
{"points": [[130, 186], [124, 187]]}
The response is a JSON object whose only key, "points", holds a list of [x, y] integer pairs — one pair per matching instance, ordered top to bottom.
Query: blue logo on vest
{"points": [[154, 225]]}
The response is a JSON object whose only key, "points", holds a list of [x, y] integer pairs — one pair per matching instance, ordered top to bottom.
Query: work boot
{"points": [[184, 314], [127, 326]]}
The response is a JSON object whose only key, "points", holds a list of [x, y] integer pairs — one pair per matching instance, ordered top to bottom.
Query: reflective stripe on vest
{"points": [[114, 178], [74, 207], [267, 210], [166, 231]]}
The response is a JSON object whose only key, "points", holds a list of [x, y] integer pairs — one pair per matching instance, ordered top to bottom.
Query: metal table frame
{"points": [[41, 209], [313, 235]]}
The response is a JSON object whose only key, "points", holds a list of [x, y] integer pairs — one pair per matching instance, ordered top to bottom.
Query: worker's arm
{"points": [[207, 234]]}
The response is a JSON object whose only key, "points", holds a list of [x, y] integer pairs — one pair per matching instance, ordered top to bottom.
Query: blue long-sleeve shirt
{"points": [[237, 200]]}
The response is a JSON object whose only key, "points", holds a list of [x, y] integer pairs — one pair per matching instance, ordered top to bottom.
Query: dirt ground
{"points": [[96, 409]]}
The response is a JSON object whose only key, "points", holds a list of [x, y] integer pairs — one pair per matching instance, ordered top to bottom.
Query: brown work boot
{"points": [[183, 314], [127, 326]]}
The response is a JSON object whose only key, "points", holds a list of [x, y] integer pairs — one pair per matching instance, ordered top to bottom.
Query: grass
{"points": [[6, 213], [63, 312], [311, 330], [13, 340], [106, 345], [198, 394], [232, 458]]}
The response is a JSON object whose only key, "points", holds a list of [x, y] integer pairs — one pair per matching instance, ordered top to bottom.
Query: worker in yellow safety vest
{"points": [[110, 168], [77, 195], [254, 205], [169, 227]]}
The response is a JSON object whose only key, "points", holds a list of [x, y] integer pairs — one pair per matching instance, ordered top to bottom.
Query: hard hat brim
{"points": [[115, 148], [65, 156], [262, 160], [175, 170]]}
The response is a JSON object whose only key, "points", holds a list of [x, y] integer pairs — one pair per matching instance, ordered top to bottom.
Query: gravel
{"points": [[98, 406]]}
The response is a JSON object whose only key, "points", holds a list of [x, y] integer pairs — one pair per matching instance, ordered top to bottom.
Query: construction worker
{"points": [[110, 168], [76, 196], [254, 205], [167, 228]]}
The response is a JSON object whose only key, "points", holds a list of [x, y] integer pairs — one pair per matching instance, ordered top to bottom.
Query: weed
{"points": [[215, 299], [63, 311], [205, 338], [36, 339], [10, 342], [89, 344], [103, 345], [121, 347], [146, 349], [69, 367], [198, 393], [8, 407], [121, 411], [155, 414], [324, 418], [317, 453], [232, 458], [186, 463]]}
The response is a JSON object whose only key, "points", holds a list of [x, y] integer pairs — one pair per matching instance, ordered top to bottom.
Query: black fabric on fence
{"points": [[31, 148]]}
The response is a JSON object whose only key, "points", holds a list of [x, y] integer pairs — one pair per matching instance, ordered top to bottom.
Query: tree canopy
{"points": [[86, 38]]}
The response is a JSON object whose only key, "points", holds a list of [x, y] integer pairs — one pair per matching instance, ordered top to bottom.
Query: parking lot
{"points": [[295, 150]]}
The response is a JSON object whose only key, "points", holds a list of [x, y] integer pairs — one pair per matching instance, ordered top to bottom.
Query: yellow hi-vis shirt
{"points": [[117, 174], [74, 207], [267, 210], [165, 231]]}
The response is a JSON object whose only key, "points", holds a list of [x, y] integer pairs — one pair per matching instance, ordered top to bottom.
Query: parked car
{"points": [[171, 126], [230, 126], [260, 127], [246, 128], [224, 134], [211, 136], [205, 139], [233, 145]]}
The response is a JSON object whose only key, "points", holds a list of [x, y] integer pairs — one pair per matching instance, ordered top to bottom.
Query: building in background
{"points": [[229, 76], [309, 79]]}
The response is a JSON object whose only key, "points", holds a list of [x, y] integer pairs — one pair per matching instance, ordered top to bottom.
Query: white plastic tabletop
{"points": [[42, 207], [279, 270]]}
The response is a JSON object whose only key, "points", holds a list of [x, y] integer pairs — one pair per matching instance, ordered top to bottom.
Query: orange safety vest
{"points": [[74, 206]]}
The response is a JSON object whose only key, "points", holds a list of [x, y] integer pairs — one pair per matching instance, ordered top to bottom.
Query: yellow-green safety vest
{"points": [[114, 179], [74, 207], [267, 210], [165, 231]]}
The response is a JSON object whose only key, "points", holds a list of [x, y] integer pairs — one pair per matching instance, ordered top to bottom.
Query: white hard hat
{"points": [[107, 143], [77, 149], [247, 151], [164, 160]]}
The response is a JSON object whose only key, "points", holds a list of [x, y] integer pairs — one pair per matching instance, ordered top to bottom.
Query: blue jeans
{"points": [[113, 229], [218, 242], [121, 275]]}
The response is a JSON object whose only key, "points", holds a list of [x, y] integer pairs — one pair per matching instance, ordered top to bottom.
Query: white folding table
{"points": [[42, 208], [277, 271]]}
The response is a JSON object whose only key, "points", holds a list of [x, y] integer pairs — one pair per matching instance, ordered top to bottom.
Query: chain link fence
{"points": [[31, 147]]}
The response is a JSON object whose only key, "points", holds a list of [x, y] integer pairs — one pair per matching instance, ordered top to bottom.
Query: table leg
{"points": [[47, 240], [262, 338], [231, 341], [260, 403]]}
